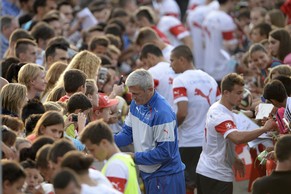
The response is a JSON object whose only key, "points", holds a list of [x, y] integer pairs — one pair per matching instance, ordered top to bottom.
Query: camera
{"points": [[75, 118]]}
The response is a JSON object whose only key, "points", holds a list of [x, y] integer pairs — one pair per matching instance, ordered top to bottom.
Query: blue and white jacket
{"points": [[153, 130]]}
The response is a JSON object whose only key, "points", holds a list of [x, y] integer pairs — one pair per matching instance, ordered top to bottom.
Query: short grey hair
{"points": [[141, 78]]}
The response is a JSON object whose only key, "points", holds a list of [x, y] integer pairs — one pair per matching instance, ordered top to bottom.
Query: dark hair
{"points": [[38, 3], [62, 3], [118, 12], [145, 12], [6, 21], [119, 23], [113, 29], [264, 29], [42, 31], [19, 34], [146, 34], [284, 38], [59, 40], [99, 40], [21, 46], [51, 49], [150, 49], [183, 51], [6, 63], [12, 72], [73, 79], [230, 80], [286, 81], [275, 90], [78, 101], [33, 106], [49, 118], [14, 123], [30, 123], [96, 131], [8, 136], [282, 148], [59, 149], [30, 153], [41, 158], [77, 161], [28, 163], [11, 171], [64, 177]]}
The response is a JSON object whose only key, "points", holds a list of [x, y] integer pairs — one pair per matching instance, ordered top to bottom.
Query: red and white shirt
{"points": [[193, 4], [167, 8], [195, 19], [173, 29], [219, 29], [163, 76], [200, 90], [218, 152], [117, 173]]}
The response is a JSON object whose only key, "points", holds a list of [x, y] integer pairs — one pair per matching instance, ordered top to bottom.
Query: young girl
{"points": [[262, 60], [51, 124], [13, 177]]}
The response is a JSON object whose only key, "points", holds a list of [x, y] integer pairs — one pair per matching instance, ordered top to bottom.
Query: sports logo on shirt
{"points": [[179, 92], [198, 92]]}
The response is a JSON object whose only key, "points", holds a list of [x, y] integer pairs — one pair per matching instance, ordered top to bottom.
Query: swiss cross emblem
{"points": [[228, 125]]}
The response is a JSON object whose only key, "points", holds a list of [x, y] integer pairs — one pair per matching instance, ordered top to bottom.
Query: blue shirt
{"points": [[9, 8], [153, 130]]}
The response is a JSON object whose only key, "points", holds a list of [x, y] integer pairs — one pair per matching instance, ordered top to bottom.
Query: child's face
{"points": [[256, 36], [260, 59], [105, 114], [54, 131], [32, 179], [16, 187]]}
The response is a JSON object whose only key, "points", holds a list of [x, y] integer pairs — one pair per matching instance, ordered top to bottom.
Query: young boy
{"points": [[74, 81], [103, 111]]}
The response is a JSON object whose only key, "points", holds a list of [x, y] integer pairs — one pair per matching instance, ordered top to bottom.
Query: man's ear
{"points": [[6, 184]]}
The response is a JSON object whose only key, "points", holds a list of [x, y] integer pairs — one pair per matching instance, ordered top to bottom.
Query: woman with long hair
{"points": [[13, 97], [51, 124]]}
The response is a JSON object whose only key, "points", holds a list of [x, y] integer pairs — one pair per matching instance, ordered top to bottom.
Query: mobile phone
{"points": [[120, 80], [75, 118]]}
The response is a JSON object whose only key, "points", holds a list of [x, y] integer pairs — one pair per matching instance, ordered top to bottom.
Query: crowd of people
{"points": [[144, 96]]}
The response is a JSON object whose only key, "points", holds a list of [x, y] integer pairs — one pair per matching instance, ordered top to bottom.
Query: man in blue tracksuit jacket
{"points": [[151, 126]]}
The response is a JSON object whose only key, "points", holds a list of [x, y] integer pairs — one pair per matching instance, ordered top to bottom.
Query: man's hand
{"points": [[269, 125], [239, 167]]}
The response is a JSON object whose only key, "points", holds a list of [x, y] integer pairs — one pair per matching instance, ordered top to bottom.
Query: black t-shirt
{"points": [[279, 182]]}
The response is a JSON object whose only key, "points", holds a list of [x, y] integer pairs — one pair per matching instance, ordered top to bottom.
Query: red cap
{"points": [[105, 101]]}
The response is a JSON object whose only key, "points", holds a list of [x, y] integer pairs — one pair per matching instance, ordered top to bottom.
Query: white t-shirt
{"points": [[195, 3], [167, 7], [195, 19], [219, 28], [173, 29], [167, 52], [163, 76], [200, 91], [218, 152], [99, 177], [100, 189]]}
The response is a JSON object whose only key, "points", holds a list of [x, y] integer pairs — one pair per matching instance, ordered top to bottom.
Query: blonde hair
{"points": [[85, 61], [284, 70], [29, 72], [53, 75], [13, 97]]}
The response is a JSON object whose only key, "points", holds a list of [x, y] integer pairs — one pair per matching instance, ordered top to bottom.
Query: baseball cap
{"points": [[105, 101]]}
